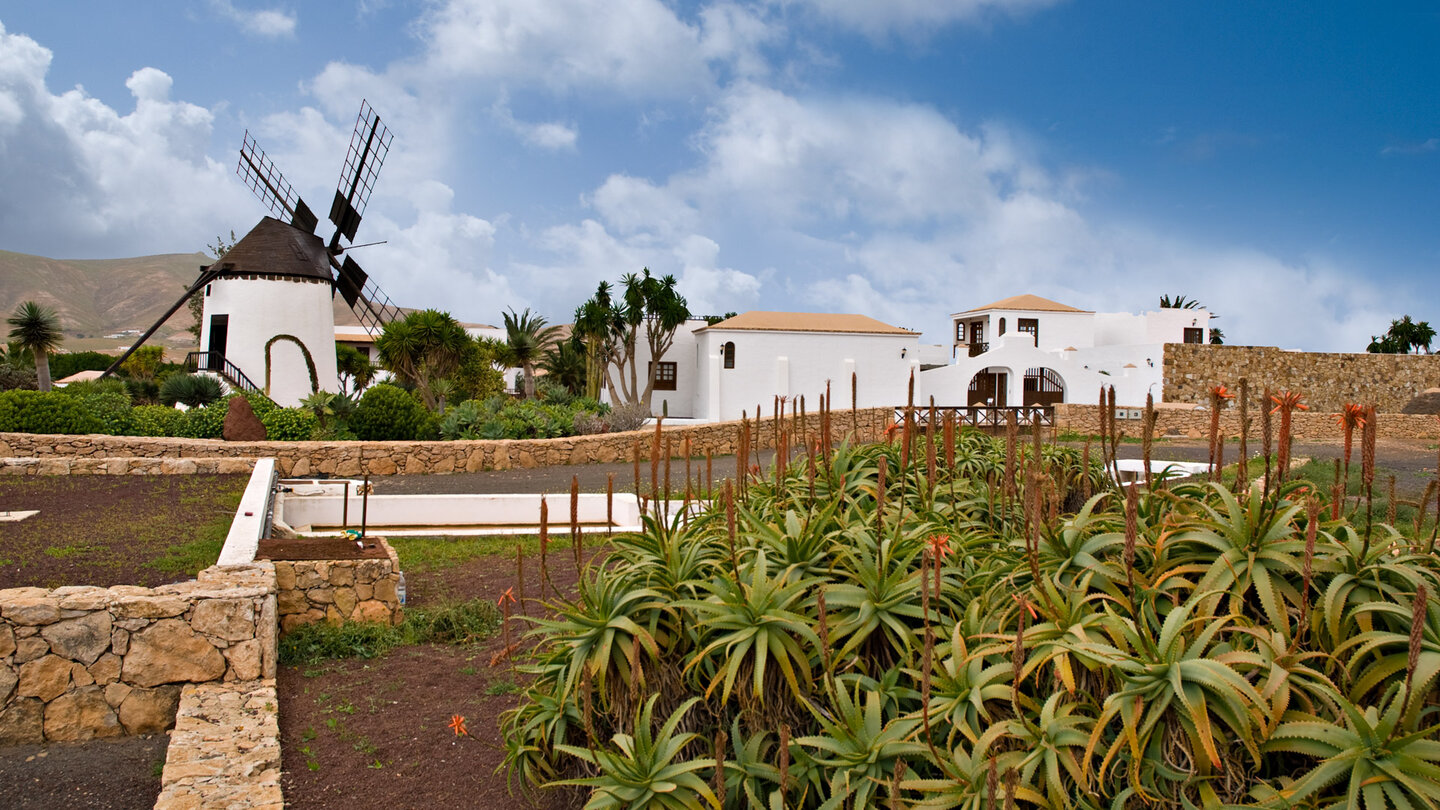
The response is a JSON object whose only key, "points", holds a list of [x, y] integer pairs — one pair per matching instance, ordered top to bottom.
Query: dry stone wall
{"points": [[1328, 380], [1187, 420], [300, 459], [64, 465], [338, 591], [83, 662], [225, 750]]}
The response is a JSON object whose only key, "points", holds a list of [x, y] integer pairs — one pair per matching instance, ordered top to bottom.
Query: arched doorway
{"points": [[1043, 386], [987, 387]]}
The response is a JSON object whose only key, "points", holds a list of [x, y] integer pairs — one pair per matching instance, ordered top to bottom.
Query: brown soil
{"points": [[114, 530], [319, 548], [360, 734], [101, 775]]}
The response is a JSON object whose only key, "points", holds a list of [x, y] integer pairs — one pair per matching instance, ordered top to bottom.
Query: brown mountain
{"points": [[97, 297]]}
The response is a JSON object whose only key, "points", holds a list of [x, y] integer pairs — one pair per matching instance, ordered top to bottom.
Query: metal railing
{"points": [[977, 349], [217, 362], [983, 416]]}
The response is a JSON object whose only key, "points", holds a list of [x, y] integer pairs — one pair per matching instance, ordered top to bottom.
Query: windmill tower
{"points": [[268, 322]]}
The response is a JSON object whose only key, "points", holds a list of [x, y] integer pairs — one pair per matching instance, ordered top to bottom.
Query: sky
{"points": [[907, 159]]}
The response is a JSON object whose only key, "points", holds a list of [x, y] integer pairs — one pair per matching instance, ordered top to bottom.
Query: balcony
{"points": [[979, 349]]}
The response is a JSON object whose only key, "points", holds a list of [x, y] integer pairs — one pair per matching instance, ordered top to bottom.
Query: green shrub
{"points": [[66, 363], [195, 390], [142, 392], [109, 404], [50, 412], [387, 413], [156, 420], [207, 422], [289, 424], [459, 623]]}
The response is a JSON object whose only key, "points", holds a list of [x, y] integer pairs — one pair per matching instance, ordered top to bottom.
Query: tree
{"points": [[1179, 302], [648, 304], [37, 329], [592, 329], [1405, 335], [1217, 337], [526, 338], [422, 348], [144, 362], [565, 364], [355, 369]]}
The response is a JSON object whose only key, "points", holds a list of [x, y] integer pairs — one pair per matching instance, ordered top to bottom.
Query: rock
{"points": [[241, 423], [342, 573], [284, 576], [385, 590], [320, 596], [345, 601], [292, 602], [150, 607], [31, 611], [372, 611], [230, 619], [83, 639], [7, 641], [120, 641], [28, 649], [169, 651], [244, 660], [106, 670], [80, 676], [46, 678], [8, 680], [146, 711], [81, 715], [23, 722]]}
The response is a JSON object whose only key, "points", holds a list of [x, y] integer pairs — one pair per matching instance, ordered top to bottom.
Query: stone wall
{"points": [[1328, 380], [1187, 420], [300, 459], [64, 465], [338, 591], [82, 662], [225, 750]]}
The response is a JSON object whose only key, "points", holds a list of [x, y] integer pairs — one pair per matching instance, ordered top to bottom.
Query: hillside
{"points": [[97, 297]]}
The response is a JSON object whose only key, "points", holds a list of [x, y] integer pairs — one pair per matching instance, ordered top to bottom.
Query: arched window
{"points": [[1002, 327], [729, 352]]}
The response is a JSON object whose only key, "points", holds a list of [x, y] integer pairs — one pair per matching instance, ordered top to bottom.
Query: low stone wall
{"points": [[1327, 379], [1187, 420], [300, 459], [126, 466], [338, 591], [82, 662], [225, 750]]}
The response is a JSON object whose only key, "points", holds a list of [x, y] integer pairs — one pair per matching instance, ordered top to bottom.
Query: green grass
{"points": [[66, 552], [425, 554], [460, 623], [504, 688]]}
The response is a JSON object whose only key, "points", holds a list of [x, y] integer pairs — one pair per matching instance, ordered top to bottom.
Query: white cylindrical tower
{"points": [[270, 309]]}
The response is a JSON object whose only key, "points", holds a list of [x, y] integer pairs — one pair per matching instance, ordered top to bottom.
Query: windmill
{"points": [[268, 313]]}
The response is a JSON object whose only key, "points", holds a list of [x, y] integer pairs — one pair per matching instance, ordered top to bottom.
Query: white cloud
{"points": [[878, 19], [271, 23], [546, 135]]}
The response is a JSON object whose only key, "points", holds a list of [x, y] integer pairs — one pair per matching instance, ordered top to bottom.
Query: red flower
{"points": [[1221, 392], [1287, 400], [1351, 416], [891, 431], [939, 545], [508, 596], [457, 724]]}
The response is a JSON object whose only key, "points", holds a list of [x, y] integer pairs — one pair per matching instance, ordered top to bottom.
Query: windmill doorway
{"points": [[219, 333], [987, 387], [1043, 387]]}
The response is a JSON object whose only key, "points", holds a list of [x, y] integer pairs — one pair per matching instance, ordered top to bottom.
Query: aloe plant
{"points": [[646, 770]]}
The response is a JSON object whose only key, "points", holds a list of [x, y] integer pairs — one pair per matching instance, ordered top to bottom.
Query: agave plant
{"points": [[646, 770]]}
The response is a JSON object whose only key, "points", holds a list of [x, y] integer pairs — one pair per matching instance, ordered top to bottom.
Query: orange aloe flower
{"points": [[1221, 392], [1287, 400], [1351, 416], [891, 431], [939, 545], [508, 596], [457, 724]]}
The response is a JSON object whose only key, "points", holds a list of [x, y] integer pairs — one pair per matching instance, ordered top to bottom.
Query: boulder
{"points": [[241, 423], [31, 611], [230, 619], [84, 639], [169, 651], [244, 660], [46, 677], [146, 711], [81, 715], [23, 722]]}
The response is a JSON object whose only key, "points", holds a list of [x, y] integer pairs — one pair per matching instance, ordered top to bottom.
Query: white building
{"points": [[269, 317], [1028, 350], [716, 373]]}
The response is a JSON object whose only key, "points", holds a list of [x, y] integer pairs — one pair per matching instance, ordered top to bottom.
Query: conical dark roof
{"points": [[275, 249]]}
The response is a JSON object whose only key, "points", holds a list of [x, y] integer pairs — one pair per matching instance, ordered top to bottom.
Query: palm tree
{"points": [[1179, 302], [37, 329], [526, 338], [422, 349], [565, 363]]}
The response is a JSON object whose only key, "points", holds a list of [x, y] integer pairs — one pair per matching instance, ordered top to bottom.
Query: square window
{"points": [[664, 376]]}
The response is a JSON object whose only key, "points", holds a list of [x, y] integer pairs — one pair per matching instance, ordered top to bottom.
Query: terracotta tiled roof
{"points": [[275, 249], [1033, 303], [808, 322]]}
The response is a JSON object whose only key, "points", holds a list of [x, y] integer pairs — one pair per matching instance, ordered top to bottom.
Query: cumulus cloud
{"points": [[914, 16], [271, 23], [544, 135], [96, 179]]}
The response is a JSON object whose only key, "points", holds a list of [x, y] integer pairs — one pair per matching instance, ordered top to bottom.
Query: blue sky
{"points": [[906, 160]]}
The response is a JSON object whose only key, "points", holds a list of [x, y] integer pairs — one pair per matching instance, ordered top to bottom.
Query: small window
{"points": [[1031, 325], [1002, 327], [959, 331], [1195, 335], [729, 352], [664, 376]]}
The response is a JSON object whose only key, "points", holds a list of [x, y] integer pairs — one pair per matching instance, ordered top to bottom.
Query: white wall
{"points": [[260, 309], [793, 364], [1083, 372], [679, 403]]}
